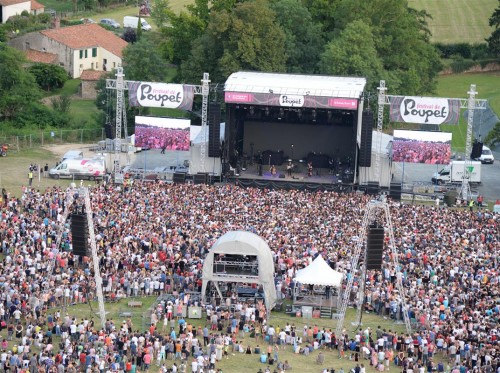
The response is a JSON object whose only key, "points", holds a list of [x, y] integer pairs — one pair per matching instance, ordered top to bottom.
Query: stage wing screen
{"points": [[162, 133], [421, 147]]}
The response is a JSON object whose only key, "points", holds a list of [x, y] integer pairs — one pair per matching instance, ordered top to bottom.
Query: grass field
{"points": [[458, 21], [241, 362]]}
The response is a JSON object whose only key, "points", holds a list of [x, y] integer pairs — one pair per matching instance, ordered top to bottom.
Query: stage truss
{"points": [[120, 85], [470, 103], [373, 210]]}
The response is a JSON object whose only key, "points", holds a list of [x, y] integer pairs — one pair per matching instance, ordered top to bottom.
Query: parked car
{"points": [[87, 20], [110, 22]]}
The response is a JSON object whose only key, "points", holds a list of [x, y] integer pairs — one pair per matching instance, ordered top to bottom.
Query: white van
{"points": [[132, 22], [73, 154], [486, 155], [85, 168]]}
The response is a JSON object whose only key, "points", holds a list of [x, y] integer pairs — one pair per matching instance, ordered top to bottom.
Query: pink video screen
{"points": [[162, 133], [421, 147]]}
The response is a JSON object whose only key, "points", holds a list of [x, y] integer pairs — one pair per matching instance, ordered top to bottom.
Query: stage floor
{"points": [[299, 175]]}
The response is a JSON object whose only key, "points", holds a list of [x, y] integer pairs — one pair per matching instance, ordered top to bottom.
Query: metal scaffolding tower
{"points": [[121, 85], [205, 89], [471, 103], [380, 124], [373, 211], [95, 258]]}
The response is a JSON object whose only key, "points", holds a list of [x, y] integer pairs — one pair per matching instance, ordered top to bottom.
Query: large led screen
{"points": [[162, 133], [421, 147]]}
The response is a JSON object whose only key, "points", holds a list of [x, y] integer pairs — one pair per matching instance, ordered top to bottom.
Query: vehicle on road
{"points": [[87, 20], [109, 22], [133, 22], [3, 150], [486, 156], [86, 168], [453, 173]]}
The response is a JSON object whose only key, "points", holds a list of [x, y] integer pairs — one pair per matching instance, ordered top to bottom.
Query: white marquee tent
{"points": [[212, 165], [242, 243], [319, 273]]}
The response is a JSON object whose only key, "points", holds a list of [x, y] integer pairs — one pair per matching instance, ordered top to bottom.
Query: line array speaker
{"points": [[214, 118], [365, 148], [477, 150], [179, 177], [200, 178], [372, 188], [395, 191], [79, 234], [374, 248]]}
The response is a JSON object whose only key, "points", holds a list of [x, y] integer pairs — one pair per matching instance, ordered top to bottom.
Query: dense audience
{"points": [[152, 238]]}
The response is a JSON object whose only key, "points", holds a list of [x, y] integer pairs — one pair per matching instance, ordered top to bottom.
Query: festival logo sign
{"points": [[172, 96], [237, 97], [291, 100], [343, 103], [424, 110]]}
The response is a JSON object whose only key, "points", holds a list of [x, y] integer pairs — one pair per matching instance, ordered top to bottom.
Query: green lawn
{"points": [[457, 21], [70, 88], [83, 112], [237, 362]]}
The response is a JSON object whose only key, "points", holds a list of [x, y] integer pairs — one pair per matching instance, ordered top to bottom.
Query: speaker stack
{"points": [[214, 130], [365, 149], [477, 150], [179, 177], [200, 178], [372, 188], [395, 191], [80, 234], [374, 248]]}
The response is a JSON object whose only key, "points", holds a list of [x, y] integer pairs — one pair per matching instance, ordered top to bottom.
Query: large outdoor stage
{"points": [[277, 121], [320, 179]]}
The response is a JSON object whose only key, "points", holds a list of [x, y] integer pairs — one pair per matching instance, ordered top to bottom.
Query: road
{"points": [[422, 173]]}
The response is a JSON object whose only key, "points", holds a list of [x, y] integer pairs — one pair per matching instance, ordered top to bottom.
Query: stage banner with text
{"points": [[172, 96], [306, 101], [424, 110]]}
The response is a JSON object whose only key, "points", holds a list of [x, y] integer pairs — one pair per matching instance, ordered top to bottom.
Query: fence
{"points": [[53, 137]]}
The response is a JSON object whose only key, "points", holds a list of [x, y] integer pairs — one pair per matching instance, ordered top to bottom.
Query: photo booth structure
{"points": [[240, 257]]}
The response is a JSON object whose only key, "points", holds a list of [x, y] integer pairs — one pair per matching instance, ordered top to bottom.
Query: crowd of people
{"points": [[150, 137], [413, 151], [152, 238]]}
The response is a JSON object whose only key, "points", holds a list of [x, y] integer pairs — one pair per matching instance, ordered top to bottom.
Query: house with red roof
{"points": [[9, 8], [78, 48]]}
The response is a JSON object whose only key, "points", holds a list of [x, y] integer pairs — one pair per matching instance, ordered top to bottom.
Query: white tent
{"points": [[212, 165], [242, 243], [319, 273]]}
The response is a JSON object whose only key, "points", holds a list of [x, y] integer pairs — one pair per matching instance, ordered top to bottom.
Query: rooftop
{"points": [[12, 2], [87, 36], [37, 56], [91, 75], [295, 84]]}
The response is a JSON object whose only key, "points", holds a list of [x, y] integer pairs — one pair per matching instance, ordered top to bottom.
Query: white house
{"points": [[9, 8], [78, 48]]}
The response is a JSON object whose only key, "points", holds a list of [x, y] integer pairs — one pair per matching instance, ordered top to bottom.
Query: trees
{"points": [[160, 12], [245, 38], [494, 39], [304, 41], [353, 53], [142, 61], [48, 76], [18, 88], [493, 138]]}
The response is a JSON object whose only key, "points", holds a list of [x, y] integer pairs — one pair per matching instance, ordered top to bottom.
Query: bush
{"points": [[44, 18], [464, 50], [459, 65]]}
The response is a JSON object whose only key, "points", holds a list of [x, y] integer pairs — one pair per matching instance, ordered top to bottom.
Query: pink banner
{"points": [[238, 97], [343, 103]]}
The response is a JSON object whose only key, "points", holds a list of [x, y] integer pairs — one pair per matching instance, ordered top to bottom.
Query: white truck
{"points": [[133, 22], [86, 168], [453, 173]]}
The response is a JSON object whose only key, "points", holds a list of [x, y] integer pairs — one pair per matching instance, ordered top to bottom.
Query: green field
{"points": [[458, 21], [237, 362]]}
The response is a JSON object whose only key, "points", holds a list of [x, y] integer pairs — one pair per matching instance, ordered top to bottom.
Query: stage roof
{"points": [[294, 84]]}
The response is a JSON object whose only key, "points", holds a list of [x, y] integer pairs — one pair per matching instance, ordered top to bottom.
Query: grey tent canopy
{"points": [[242, 243]]}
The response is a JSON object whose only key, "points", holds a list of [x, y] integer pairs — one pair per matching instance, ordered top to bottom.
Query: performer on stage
{"points": [[289, 168], [309, 168], [273, 170]]}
